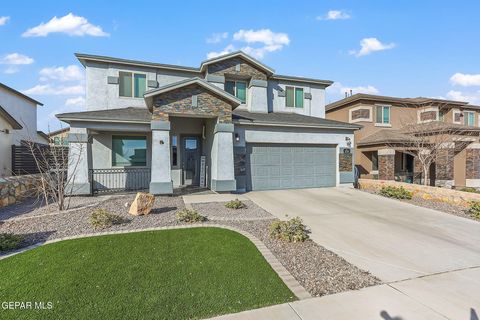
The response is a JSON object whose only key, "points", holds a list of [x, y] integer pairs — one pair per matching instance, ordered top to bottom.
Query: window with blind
{"points": [[132, 84], [294, 97]]}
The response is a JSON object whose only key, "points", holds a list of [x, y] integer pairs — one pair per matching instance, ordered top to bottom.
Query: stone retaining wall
{"points": [[14, 189], [426, 192]]}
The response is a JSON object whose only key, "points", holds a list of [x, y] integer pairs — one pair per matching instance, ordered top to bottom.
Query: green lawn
{"points": [[171, 274]]}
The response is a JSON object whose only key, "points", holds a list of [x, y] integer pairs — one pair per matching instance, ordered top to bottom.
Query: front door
{"points": [[191, 161]]}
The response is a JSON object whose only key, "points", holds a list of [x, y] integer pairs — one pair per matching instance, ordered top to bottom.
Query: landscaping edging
{"points": [[282, 272]]}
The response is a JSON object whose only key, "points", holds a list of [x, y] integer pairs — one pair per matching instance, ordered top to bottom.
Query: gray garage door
{"points": [[284, 166]]}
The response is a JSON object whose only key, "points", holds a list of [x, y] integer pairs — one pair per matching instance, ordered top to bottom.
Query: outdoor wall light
{"points": [[237, 137], [161, 142]]}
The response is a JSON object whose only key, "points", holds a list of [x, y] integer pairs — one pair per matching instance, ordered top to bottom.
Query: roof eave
{"points": [[205, 63], [301, 125]]}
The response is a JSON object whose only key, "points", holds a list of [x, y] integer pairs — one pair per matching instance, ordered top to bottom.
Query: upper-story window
{"points": [[132, 84], [237, 89], [294, 97], [382, 115], [441, 115], [469, 118]]}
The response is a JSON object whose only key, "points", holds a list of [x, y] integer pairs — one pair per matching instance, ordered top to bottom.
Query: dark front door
{"points": [[191, 161]]}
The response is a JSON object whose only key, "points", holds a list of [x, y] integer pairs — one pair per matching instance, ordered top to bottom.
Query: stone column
{"points": [[257, 100], [78, 162], [386, 164], [444, 164], [222, 167], [472, 174], [161, 179]]}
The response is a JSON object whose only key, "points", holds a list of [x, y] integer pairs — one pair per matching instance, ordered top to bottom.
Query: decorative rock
{"points": [[142, 204]]}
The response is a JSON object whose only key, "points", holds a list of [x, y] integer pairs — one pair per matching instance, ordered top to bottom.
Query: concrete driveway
{"points": [[393, 240]]}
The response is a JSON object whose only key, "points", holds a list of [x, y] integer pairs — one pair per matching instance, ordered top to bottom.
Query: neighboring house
{"points": [[18, 122], [230, 125], [59, 137], [378, 145]]}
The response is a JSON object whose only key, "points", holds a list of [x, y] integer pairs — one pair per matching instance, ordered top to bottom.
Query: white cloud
{"points": [[335, 15], [4, 20], [70, 24], [217, 37], [369, 45], [228, 49], [16, 58], [11, 70], [68, 73], [465, 80], [48, 89], [337, 90], [471, 97], [77, 102]]}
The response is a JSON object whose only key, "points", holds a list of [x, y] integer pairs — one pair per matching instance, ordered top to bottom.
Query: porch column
{"points": [[386, 164], [444, 165], [222, 168], [472, 173], [161, 180], [78, 182]]}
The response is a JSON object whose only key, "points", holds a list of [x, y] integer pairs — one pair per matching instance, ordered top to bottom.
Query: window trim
{"points": [[133, 73], [235, 88], [294, 97], [370, 112], [382, 124], [129, 135]]}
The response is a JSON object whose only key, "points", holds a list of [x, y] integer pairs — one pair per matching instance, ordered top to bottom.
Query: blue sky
{"points": [[400, 48]]}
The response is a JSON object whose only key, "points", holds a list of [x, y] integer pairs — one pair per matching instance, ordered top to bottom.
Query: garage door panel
{"points": [[283, 166]]}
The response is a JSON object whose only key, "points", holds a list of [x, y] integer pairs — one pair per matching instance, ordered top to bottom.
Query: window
{"points": [[132, 84], [237, 89], [294, 97], [383, 115], [441, 115], [469, 118], [56, 141], [129, 151], [174, 151], [375, 161]]}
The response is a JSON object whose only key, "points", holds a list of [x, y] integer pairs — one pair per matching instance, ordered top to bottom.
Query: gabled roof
{"points": [[235, 54], [18, 93], [148, 95], [386, 99], [125, 115], [289, 119], [11, 120], [54, 133], [385, 136]]}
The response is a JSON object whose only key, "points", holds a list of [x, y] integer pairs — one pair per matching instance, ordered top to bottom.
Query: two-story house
{"points": [[231, 124], [386, 131]]}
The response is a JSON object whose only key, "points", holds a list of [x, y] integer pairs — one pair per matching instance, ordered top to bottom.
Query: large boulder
{"points": [[142, 204]]}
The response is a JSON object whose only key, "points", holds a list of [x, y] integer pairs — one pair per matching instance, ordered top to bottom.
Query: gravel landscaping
{"points": [[435, 205], [318, 270]]}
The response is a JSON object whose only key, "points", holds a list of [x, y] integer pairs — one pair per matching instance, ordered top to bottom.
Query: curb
{"points": [[282, 272]]}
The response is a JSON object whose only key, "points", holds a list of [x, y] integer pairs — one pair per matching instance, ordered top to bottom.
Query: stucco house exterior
{"points": [[18, 122], [232, 125], [380, 144]]}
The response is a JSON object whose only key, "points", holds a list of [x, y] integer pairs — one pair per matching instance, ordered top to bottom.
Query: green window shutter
{"points": [[125, 84], [140, 84], [230, 87], [242, 91], [289, 97], [298, 97], [378, 114], [386, 114], [129, 151]]}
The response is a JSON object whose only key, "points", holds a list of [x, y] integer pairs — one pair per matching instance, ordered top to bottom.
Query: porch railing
{"points": [[118, 180]]}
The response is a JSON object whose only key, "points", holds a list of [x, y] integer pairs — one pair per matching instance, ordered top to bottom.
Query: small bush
{"points": [[469, 189], [396, 192], [235, 204], [475, 209], [190, 216], [102, 219], [292, 230], [10, 241]]}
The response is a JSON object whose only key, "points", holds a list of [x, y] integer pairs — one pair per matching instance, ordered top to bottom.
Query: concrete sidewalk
{"points": [[450, 295]]}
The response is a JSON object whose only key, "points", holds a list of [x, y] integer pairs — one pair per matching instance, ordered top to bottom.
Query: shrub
{"points": [[469, 189], [396, 192], [235, 204], [475, 209], [190, 216], [102, 219], [292, 230], [10, 241]]}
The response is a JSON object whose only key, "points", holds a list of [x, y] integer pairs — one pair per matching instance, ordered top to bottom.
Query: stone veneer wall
{"points": [[229, 67], [179, 101], [345, 162], [444, 164], [473, 164], [386, 166], [16, 188], [451, 196]]}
